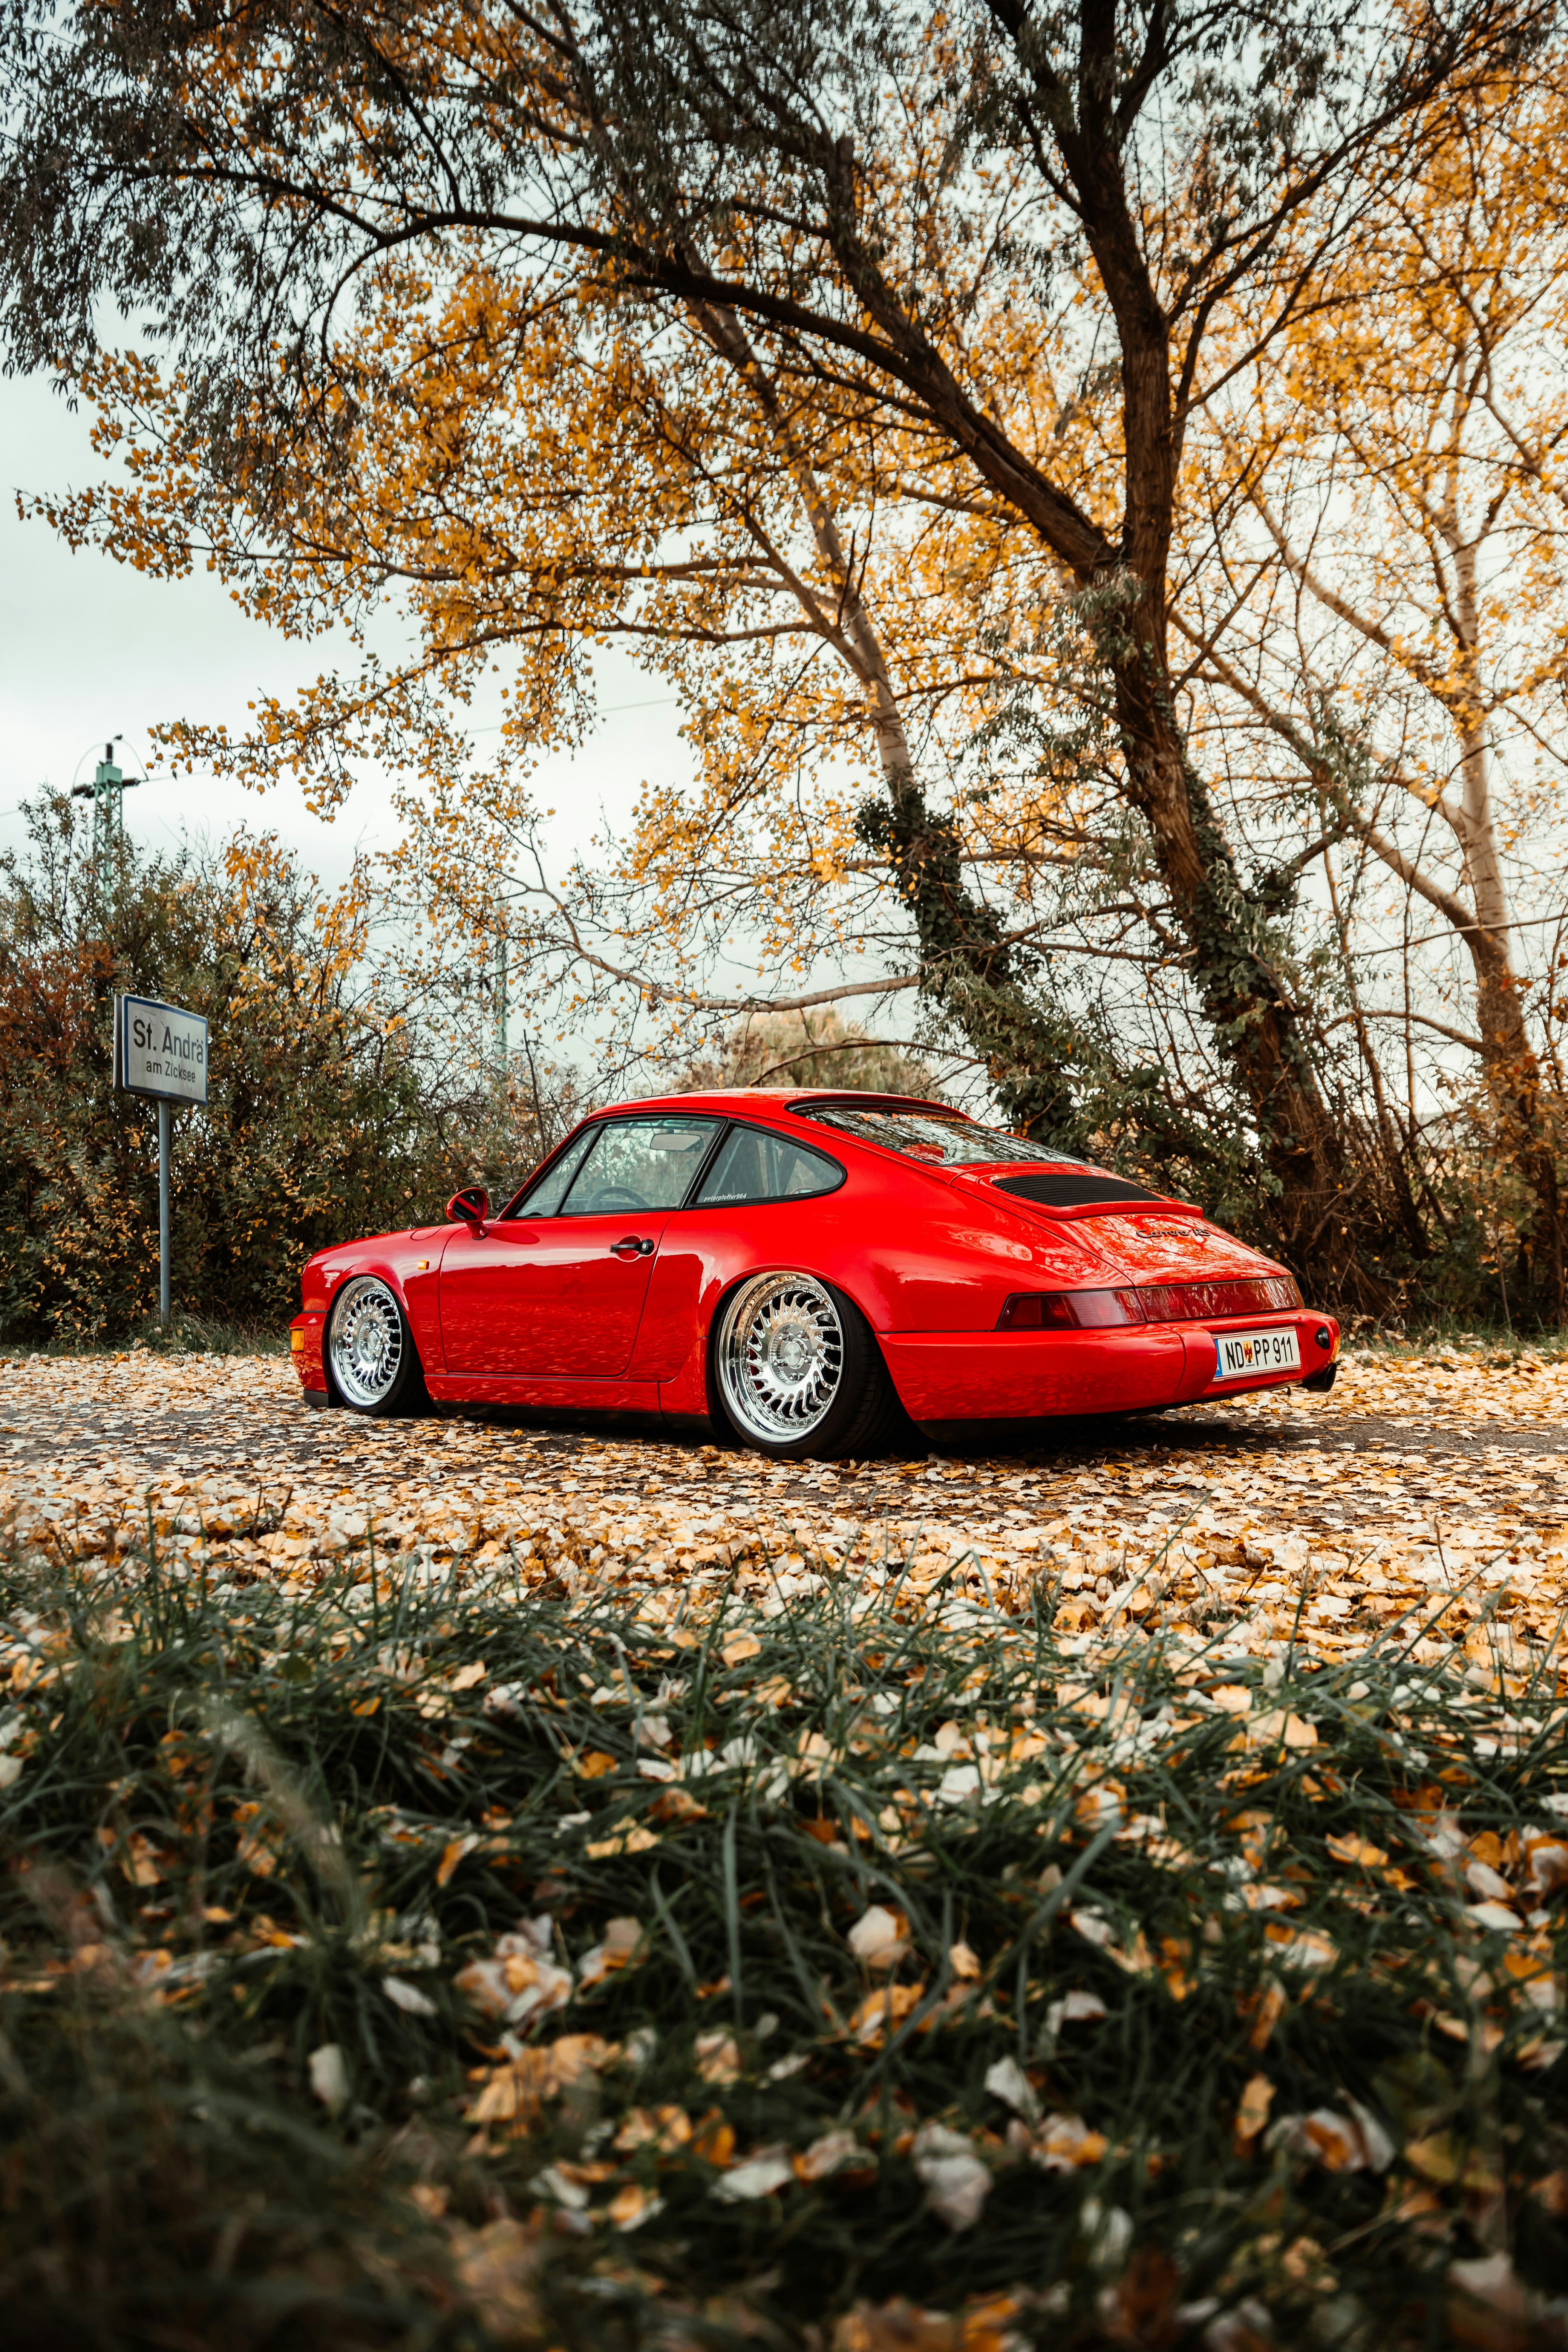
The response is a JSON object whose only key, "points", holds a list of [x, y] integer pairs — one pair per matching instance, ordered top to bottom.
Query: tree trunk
{"points": [[967, 966], [1244, 996], [1507, 1058], [1523, 1130]]}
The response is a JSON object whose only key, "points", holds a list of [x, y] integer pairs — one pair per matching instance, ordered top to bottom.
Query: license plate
{"points": [[1244, 1355]]}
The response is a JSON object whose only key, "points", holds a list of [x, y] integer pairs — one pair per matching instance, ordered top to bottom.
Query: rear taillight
{"points": [[1193, 1302], [1068, 1310]]}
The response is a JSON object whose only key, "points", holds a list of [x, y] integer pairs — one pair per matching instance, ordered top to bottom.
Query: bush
{"points": [[330, 1113]]}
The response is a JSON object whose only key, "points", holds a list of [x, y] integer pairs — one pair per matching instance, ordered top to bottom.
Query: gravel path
{"points": [[1327, 1516]]}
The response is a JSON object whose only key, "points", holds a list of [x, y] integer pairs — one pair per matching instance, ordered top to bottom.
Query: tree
{"points": [[862, 253], [1399, 452], [805, 1049]]}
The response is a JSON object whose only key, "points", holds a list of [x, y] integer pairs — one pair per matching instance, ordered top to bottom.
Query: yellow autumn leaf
{"points": [[629, 1841], [1358, 1851], [452, 1853], [1252, 2113]]}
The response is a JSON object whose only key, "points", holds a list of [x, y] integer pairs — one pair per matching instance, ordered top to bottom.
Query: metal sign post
{"points": [[160, 1053], [163, 1214]]}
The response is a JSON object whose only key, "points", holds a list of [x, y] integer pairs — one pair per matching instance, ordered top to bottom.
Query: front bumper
{"points": [[306, 1335]]}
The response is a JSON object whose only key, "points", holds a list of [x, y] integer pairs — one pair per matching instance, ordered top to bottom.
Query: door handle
{"points": [[630, 1246]]}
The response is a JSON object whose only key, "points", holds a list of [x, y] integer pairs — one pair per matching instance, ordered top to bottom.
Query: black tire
{"points": [[372, 1365], [824, 1393]]}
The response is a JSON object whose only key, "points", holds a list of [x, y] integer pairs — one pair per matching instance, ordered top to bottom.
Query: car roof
{"points": [[776, 1098], [730, 1100]]}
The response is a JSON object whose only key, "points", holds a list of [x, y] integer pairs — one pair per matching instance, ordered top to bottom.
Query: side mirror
{"points": [[469, 1207]]}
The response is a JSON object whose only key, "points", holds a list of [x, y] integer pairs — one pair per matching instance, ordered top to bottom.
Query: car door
{"points": [[760, 1201], [556, 1289]]}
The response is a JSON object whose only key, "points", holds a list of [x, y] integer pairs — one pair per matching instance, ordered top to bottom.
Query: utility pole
{"points": [[107, 793], [500, 1003]]}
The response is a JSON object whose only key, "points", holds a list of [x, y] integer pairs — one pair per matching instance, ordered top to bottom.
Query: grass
{"points": [[193, 1333], [185, 1335], [201, 1335], [1455, 1335], [1453, 1339], [1193, 1985]]}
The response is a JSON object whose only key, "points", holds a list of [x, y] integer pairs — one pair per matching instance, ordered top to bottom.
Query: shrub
{"points": [[333, 1111]]}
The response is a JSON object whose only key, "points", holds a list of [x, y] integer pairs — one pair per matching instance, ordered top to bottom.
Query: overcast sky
{"points": [[90, 649]]}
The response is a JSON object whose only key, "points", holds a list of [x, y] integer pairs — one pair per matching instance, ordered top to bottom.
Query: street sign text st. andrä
{"points": [[160, 1050]]}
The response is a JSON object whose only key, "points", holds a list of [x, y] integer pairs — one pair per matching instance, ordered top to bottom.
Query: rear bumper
{"points": [[1316, 1360], [1024, 1375]]}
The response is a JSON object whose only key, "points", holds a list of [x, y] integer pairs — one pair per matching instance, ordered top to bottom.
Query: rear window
{"points": [[942, 1138]]}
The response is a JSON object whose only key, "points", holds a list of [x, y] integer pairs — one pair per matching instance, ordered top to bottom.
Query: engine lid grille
{"points": [[1074, 1189]]}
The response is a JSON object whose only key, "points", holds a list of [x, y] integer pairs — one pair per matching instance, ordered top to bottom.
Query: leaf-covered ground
{"points": [[1339, 1514], [470, 1883]]}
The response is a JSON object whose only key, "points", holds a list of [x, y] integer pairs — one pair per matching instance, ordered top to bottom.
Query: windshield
{"points": [[941, 1138]]}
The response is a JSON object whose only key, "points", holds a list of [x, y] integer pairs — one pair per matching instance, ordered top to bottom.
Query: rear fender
{"points": [[944, 1376], [693, 1392]]}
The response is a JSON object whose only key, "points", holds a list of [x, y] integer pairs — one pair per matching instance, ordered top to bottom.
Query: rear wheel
{"points": [[371, 1355], [797, 1373]]}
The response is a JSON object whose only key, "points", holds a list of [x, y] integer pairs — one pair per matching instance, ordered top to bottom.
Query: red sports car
{"points": [[792, 1266]]}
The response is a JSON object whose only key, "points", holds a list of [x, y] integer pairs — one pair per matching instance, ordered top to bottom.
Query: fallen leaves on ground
{"points": [[1265, 1517]]}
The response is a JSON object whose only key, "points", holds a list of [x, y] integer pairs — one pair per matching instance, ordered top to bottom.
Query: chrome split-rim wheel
{"points": [[367, 1341], [781, 1357]]}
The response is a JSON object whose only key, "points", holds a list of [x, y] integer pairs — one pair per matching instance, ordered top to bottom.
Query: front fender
{"points": [[410, 1266]]}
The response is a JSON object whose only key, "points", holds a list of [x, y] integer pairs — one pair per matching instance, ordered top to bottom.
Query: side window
{"points": [[641, 1163], [757, 1166], [543, 1198]]}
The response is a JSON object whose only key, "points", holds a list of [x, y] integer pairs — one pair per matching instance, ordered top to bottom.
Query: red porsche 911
{"points": [[791, 1266]]}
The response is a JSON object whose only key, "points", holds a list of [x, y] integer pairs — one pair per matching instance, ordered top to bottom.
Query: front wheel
{"points": [[373, 1364], [798, 1373]]}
